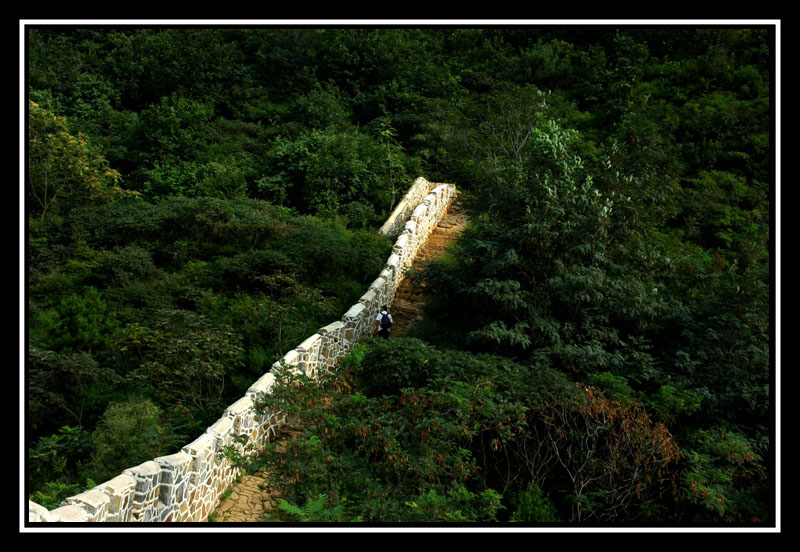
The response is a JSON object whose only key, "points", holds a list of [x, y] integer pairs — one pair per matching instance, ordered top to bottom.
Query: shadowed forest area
{"points": [[597, 345]]}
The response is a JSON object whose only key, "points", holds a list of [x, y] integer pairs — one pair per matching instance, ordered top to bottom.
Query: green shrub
{"points": [[82, 321], [131, 432], [56, 461], [532, 506]]}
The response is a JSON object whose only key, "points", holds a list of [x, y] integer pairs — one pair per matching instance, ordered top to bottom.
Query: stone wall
{"points": [[187, 485]]}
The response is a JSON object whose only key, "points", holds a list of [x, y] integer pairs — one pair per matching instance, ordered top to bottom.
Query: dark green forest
{"points": [[597, 345]]}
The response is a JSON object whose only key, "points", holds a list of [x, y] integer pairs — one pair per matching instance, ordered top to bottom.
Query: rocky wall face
{"points": [[393, 225], [333, 346], [187, 486], [174, 487], [120, 494], [145, 495], [202, 499]]}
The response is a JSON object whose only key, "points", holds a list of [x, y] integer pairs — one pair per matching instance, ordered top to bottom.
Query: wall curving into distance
{"points": [[186, 486]]}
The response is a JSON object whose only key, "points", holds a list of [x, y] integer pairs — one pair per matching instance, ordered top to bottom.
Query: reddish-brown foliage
{"points": [[613, 453]]}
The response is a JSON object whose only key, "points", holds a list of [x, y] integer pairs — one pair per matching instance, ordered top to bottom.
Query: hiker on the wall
{"points": [[383, 322]]}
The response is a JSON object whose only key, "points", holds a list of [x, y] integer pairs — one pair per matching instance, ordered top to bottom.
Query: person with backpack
{"points": [[383, 322]]}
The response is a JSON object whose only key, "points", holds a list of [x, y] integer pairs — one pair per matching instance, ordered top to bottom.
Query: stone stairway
{"points": [[406, 308], [250, 500]]}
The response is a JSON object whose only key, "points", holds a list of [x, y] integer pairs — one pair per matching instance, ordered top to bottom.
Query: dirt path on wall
{"points": [[407, 306], [250, 500]]}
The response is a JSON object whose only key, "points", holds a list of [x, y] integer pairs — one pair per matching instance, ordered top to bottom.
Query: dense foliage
{"points": [[597, 342], [406, 432]]}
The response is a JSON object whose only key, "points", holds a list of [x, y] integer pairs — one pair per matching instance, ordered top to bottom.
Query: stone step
{"points": [[407, 306]]}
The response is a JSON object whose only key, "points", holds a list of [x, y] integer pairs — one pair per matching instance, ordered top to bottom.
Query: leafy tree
{"points": [[146, 64], [170, 133], [64, 170], [323, 170], [532, 269], [612, 293], [276, 318], [80, 322], [189, 368], [63, 385], [131, 432], [460, 437], [612, 455], [55, 463], [725, 477], [458, 505]]}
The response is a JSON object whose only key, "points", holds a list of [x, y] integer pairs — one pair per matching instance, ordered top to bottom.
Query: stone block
{"points": [[442, 190], [400, 243], [393, 263], [381, 288], [368, 299], [354, 312], [334, 328], [308, 345], [308, 352], [291, 358], [262, 385], [240, 407], [242, 415], [221, 431], [201, 451], [173, 466], [174, 484], [120, 495], [145, 497], [94, 502], [71, 513], [39, 514]]}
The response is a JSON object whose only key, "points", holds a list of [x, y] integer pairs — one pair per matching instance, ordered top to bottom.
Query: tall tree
{"points": [[63, 169]]}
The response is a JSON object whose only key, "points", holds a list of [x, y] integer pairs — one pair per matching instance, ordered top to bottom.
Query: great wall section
{"points": [[188, 486]]}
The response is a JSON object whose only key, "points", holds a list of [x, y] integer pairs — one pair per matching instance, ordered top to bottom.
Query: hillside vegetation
{"points": [[596, 346]]}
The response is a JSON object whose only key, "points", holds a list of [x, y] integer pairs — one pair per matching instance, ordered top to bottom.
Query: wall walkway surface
{"points": [[186, 486]]}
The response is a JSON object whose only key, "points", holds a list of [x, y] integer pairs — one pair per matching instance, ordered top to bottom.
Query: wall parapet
{"points": [[418, 190], [186, 486]]}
